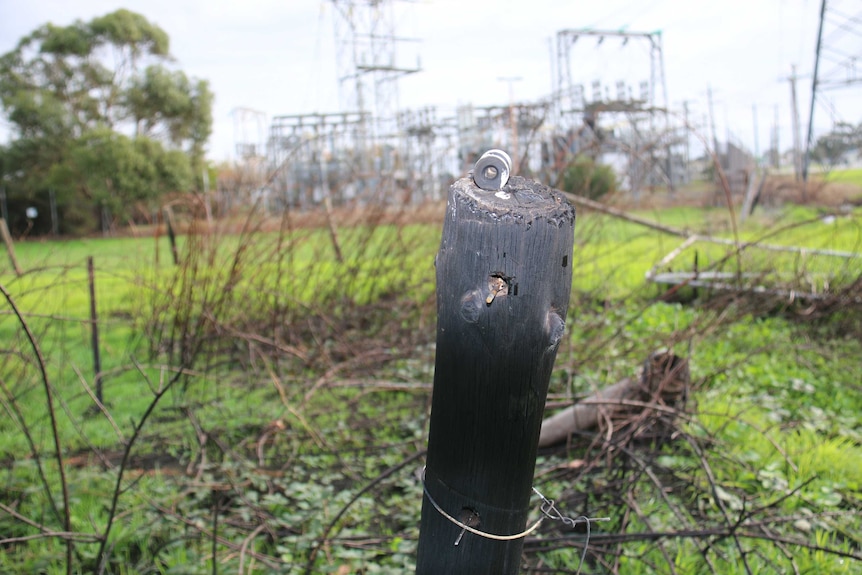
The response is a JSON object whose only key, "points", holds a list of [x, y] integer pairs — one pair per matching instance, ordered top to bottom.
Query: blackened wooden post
{"points": [[503, 282]]}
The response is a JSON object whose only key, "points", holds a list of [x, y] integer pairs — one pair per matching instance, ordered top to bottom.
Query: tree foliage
{"points": [[100, 117], [833, 147], [584, 177]]}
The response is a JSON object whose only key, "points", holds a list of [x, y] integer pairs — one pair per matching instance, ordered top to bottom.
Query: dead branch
{"points": [[692, 236], [664, 380], [66, 518]]}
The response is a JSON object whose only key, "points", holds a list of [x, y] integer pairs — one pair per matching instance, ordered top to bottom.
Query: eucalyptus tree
{"points": [[100, 116]]}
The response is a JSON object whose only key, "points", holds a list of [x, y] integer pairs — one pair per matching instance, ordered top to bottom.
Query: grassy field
{"points": [[849, 176], [266, 403]]}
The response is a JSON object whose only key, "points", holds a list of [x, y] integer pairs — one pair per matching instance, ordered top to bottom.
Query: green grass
{"points": [[849, 176], [613, 256], [777, 416], [269, 439]]}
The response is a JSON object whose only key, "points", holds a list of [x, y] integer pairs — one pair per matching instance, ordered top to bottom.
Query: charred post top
{"points": [[521, 200]]}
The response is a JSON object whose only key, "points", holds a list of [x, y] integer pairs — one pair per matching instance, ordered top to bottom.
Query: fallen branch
{"points": [[691, 237], [663, 381]]}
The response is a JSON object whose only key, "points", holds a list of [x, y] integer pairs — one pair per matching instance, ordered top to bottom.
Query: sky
{"points": [[279, 56]]}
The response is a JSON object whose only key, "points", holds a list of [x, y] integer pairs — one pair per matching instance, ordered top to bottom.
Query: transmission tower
{"points": [[836, 58], [368, 63], [571, 95], [578, 112], [249, 128]]}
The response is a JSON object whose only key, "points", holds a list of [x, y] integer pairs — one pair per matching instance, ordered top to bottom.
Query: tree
{"points": [[100, 117], [831, 148], [111, 170]]}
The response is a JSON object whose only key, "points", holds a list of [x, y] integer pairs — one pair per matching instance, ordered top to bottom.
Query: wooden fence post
{"points": [[172, 236], [503, 282], [94, 330]]}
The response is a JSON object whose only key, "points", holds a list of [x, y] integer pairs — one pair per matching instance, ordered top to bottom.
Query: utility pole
{"points": [[838, 43], [657, 52], [555, 91], [813, 96], [513, 120], [712, 120], [687, 132], [756, 137], [797, 137], [776, 143], [752, 189]]}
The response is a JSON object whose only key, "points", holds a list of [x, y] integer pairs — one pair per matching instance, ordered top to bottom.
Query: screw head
{"points": [[492, 170]]}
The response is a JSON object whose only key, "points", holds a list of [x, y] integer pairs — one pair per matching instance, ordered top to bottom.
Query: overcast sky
{"points": [[279, 57]]}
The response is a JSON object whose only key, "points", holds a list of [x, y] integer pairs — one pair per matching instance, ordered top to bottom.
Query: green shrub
{"points": [[584, 177]]}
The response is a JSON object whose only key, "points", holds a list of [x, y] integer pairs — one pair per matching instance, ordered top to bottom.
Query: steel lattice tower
{"points": [[838, 51], [368, 66], [571, 96], [577, 112]]}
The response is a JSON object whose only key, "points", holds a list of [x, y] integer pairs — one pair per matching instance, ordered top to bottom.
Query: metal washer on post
{"points": [[492, 170]]}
